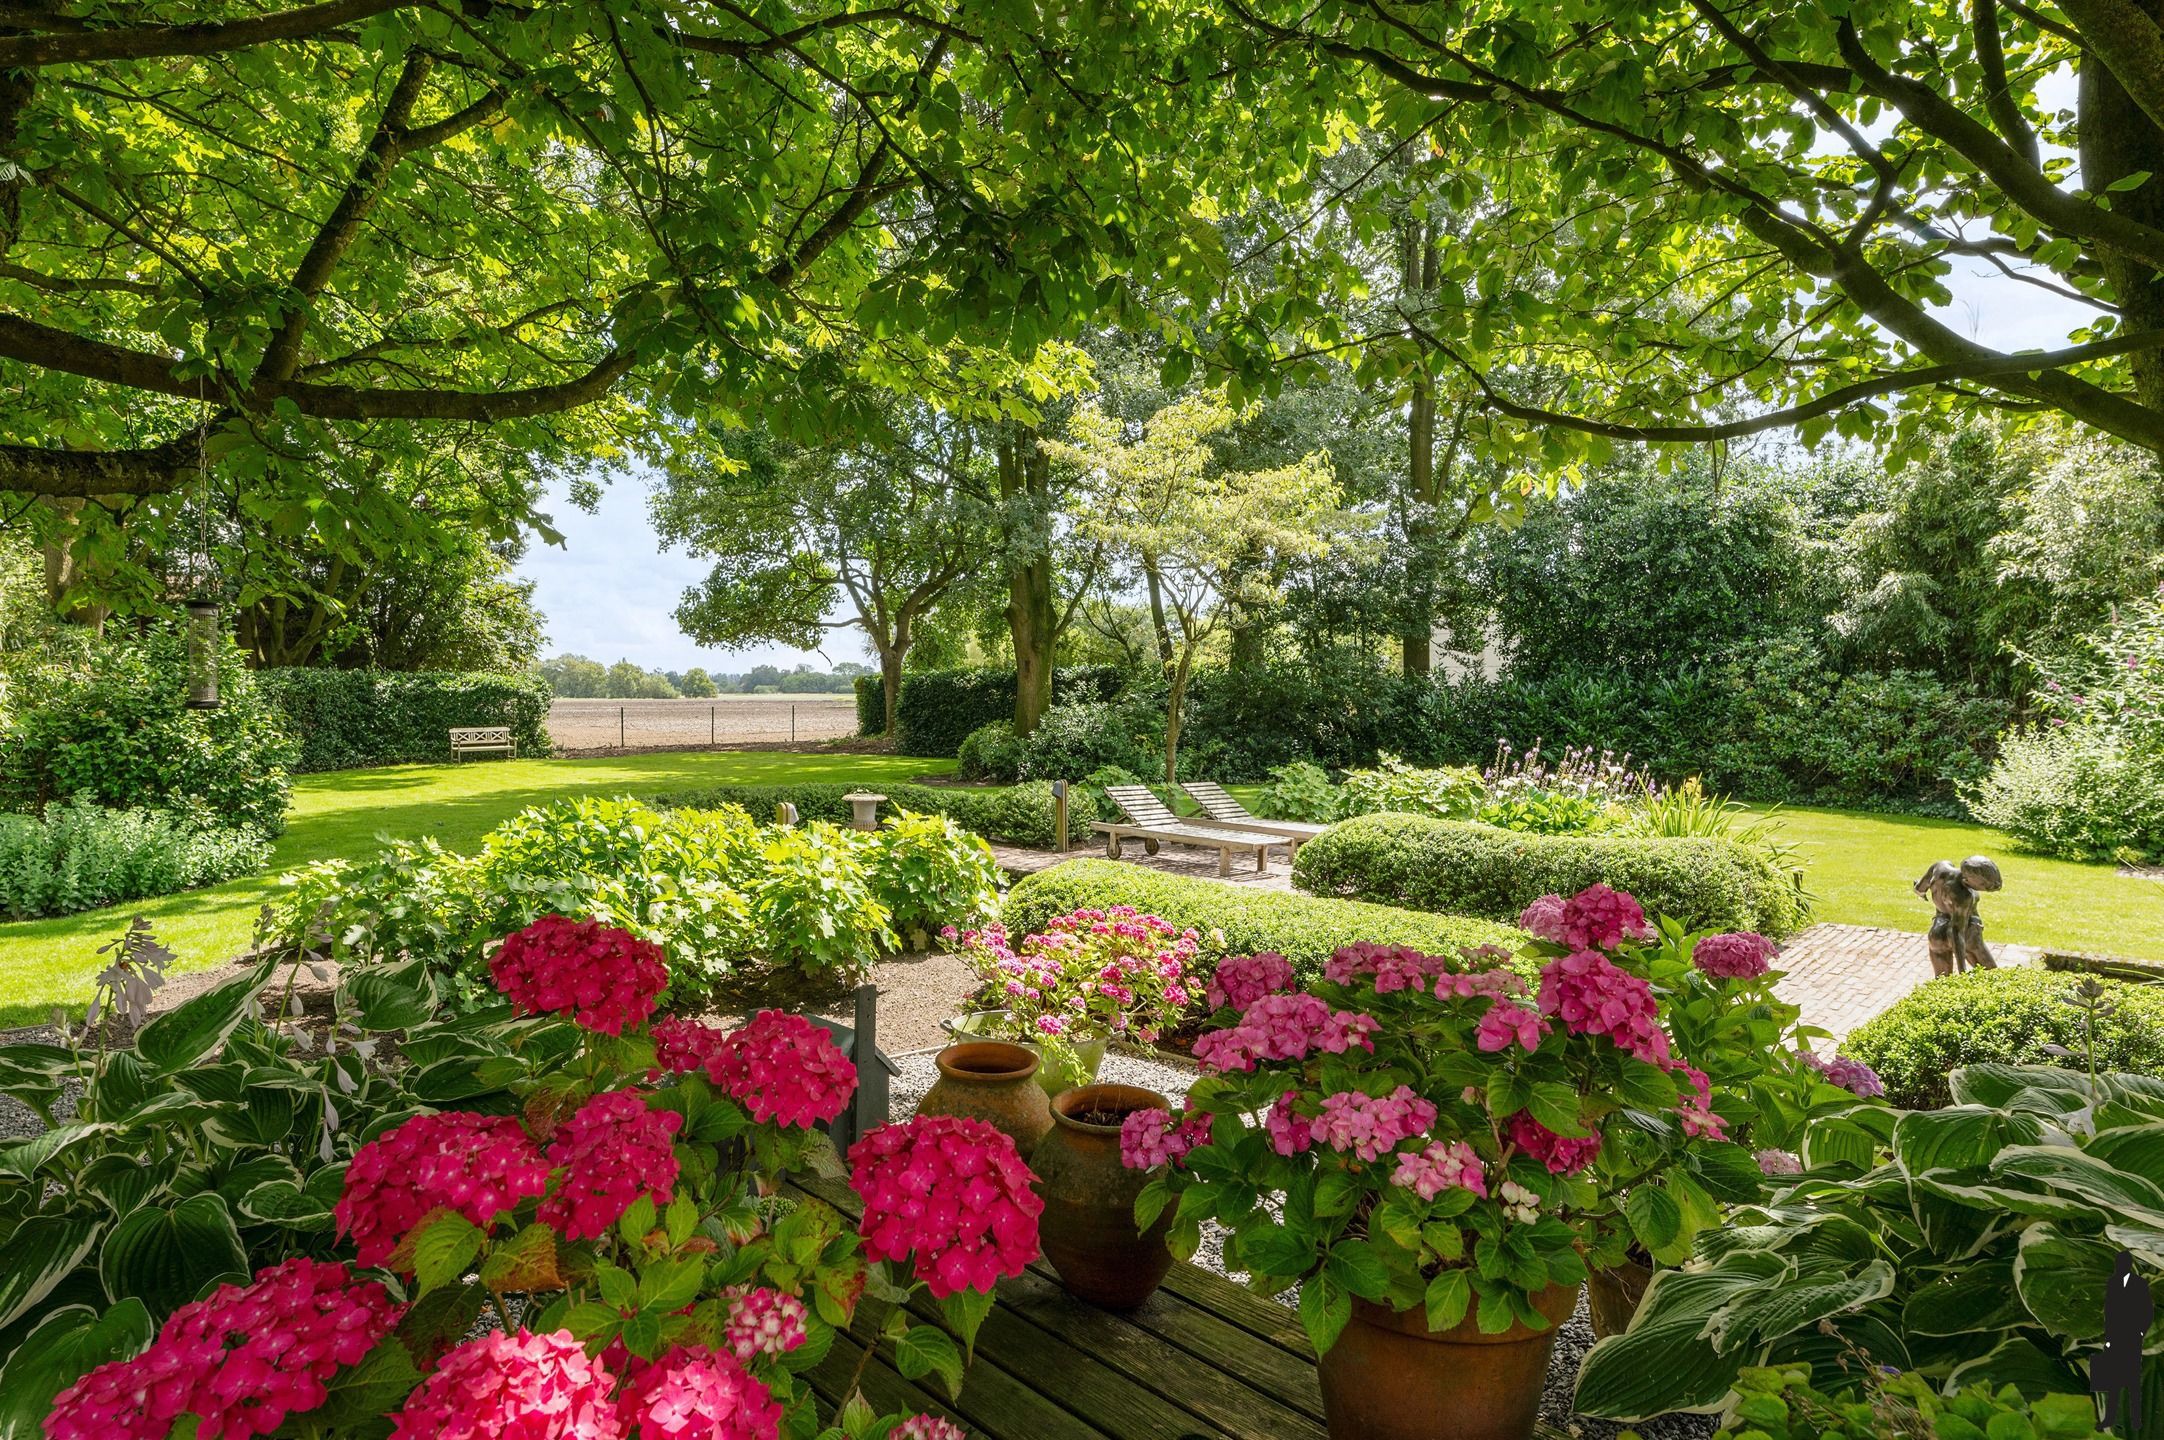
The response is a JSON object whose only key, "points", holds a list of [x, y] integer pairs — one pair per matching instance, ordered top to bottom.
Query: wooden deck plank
{"points": [[1257, 1314], [1213, 1341], [885, 1390]]}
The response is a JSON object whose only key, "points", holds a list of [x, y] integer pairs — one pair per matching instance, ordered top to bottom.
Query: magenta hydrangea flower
{"points": [[1602, 918], [1738, 955], [1394, 967], [602, 977], [1241, 980], [1591, 996], [1506, 1024], [1283, 1027], [681, 1046], [784, 1069], [1853, 1076], [1695, 1109], [1368, 1126], [1291, 1133], [1153, 1137], [611, 1152], [1562, 1156], [1778, 1162], [477, 1165], [1442, 1165], [951, 1195], [765, 1322], [241, 1360], [513, 1387], [695, 1393], [927, 1427]]}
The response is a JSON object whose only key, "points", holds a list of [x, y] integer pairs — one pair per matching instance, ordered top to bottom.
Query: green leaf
{"points": [[392, 997], [195, 1027], [1557, 1106], [1958, 1138], [1656, 1220], [444, 1248], [1276, 1250], [165, 1256], [526, 1262], [1356, 1265], [2061, 1278], [1450, 1294], [1325, 1307], [964, 1312], [65, 1345], [924, 1350], [1664, 1361], [361, 1393]]}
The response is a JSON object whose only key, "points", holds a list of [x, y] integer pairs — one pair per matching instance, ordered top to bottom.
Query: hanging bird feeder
{"points": [[202, 653]]}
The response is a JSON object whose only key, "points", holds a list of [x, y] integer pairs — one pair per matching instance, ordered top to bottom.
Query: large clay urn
{"points": [[995, 1082], [1088, 1226], [1612, 1295], [1390, 1377]]}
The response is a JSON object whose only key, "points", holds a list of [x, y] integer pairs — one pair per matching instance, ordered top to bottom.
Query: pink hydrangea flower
{"points": [[1602, 918], [1543, 919], [1738, 955], [1394, 967], [602, 977], [1241, 980], [1494, 984], [1591, 996], [1506, 1024], [1283, 1027], [681, 1046], [784, 1069], [1853, 1076], [1695, 1109], [1367, 1126], [1290, 1132], [1153, 1137], [611, 1152], [1562, 1156], [1778, 1162], [477, 1165], [1428, 1173], [950, 1194], [764, 1322], [241, 1360], [513, 1387], [695, 1393], [927, 1427]]}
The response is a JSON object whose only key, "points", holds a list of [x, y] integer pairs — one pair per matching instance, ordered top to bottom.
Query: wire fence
{"points": [[577, 726]]}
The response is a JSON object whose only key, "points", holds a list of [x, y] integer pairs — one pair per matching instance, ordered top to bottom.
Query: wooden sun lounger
{"points": [[1219, 808], [1150, 822]]}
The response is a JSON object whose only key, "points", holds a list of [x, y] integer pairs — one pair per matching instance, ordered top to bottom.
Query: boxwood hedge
{"points": [[938, 708], [345, 719], [1012, 815], [1457, 868], [1302, 928], [2006, 1015]]}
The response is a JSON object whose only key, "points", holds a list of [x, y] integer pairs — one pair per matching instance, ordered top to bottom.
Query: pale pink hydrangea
{"points": [[1543, 919], [1737, 955], [1394, 967], [602, 977], [1241, 980], [1494, 984], [1591, 996], [1506, 1024], [1283, 1027], [681, 1046], [784, 1069], [1695, 1109], [1368, 1126], [1290, 1132], [1153, 1137], [611, 1152], [1562, 1156], [1778, 1162], [476, 1165], [1442, 1165], [951, 1195], [764, 1321], [241, 1360], [518, 1386], [696, 1393], [927, 1427]]}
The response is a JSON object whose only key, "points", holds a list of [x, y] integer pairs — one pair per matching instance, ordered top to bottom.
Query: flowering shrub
{"points": [[1089, 973], [1447, 1136], [623, 1200]]}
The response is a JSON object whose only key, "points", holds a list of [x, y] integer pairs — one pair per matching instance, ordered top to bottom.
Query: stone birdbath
{"points": [[864, 809]]}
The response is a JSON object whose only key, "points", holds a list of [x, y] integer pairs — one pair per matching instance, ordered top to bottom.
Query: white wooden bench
{"points": [[482, 740]]}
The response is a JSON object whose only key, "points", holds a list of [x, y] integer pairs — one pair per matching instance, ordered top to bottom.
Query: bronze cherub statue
{"points": [[1957, 932]]}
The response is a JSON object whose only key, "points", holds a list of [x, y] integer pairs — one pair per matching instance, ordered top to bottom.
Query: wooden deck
{"points": [[1202, 1359]]}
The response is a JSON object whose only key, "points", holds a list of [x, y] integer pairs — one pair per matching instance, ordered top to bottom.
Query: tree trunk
{"points": [[2119, 139], [1422, 261], [1025, 481], [63, 570], [1157, 613], [890, 680], [1175, 710]]}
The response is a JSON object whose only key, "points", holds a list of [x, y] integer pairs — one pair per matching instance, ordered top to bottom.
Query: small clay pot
{"points": [[995, 1082], [1088, 1227], [1612, 1296], [1389, 1377]]}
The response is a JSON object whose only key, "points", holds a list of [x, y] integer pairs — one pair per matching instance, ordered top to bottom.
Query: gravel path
{"points": [[1571, 1342]]}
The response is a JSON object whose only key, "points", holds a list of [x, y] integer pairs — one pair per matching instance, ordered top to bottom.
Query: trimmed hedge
{"points": [[871, 694], [938, 708], [347, 719], [1012, 815], [1455, 868], [1302, 928], [2010, 1016]]}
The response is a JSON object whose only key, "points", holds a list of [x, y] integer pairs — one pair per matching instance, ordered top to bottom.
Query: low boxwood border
{"points": [[1009, 815]]}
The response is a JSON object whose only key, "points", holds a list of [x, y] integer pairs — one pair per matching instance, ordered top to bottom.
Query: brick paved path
{"points": [[1843, 975]]}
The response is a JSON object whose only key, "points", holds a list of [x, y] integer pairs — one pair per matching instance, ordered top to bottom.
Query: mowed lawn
{"points": [[341, 814]]}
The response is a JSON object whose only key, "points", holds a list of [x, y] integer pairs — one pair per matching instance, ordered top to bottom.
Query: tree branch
{"points": [[142, 42]]}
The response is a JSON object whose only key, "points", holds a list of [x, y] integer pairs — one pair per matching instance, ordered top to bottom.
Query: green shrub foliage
{"points": [[938, 708], [345, 719], [113, 728], [1079, 738], [992, 752], [1300, 790], [1011, 815], [80, 856], [1452, 868], [1303, 928], [2021, 1016], [1784, 1404]]}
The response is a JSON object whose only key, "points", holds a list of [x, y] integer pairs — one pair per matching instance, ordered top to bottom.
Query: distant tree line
{"points": [[574, 677]]}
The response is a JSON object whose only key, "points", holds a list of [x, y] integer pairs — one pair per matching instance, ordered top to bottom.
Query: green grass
{"points": [[44, 963]]}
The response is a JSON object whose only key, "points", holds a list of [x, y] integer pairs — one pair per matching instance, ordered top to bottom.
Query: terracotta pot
{"points": [[1076, 1063], [994, 1082], [1088, 1226], [1612, 1296], [1389, 1377]]}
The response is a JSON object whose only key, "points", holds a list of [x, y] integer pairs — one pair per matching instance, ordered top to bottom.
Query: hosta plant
{"points": [[1435, 1133], [585, 1226], [1970, 1245], [1862, 1400]]}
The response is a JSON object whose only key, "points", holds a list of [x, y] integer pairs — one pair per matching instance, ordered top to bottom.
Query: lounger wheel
{"points": [[1149, 846], [1112, 847]]}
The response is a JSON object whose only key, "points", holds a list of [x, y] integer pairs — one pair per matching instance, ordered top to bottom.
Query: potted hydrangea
{"points": [[1092, 976], [1435, 1149]]}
